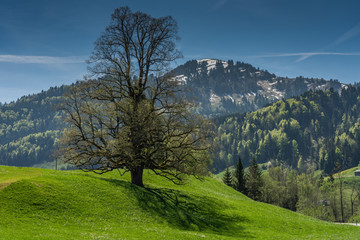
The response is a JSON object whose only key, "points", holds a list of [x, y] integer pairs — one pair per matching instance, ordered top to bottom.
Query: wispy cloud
{"points": [[353, 32], [348, 35], [305, 55], [40, 59]]}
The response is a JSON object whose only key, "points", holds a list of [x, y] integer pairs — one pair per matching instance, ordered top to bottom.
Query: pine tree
{"points": [[240, 177], [227, 178], [254, 181]]}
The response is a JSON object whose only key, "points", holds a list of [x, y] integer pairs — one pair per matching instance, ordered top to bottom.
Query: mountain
{"points": [[221, 87], [30, 127], [317, 130], [48, 204]]}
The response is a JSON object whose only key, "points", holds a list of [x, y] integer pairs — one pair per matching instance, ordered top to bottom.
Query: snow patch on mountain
{"points": [[211, 63], [181, 79], [321, 87], [269, 90], [230, 97], [214, 99]]}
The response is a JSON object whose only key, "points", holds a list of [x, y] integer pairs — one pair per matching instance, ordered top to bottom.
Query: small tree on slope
{"points": [[227, 178], [240, 179], [254, 181]]}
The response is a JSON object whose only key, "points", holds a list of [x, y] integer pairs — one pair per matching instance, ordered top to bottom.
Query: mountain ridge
{"points": [[225, 87], [30, 127]]}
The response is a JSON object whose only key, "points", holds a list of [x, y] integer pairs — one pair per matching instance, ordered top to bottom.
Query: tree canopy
{"points": [[128, 114]]}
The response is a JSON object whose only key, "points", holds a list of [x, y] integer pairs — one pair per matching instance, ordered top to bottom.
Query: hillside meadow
{"points": [[48, 204]]}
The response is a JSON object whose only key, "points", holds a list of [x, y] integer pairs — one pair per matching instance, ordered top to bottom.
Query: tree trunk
{"points": [[137, 176]]}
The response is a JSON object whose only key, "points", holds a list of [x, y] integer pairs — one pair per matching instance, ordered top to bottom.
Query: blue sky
{"points": [[44, 43]]}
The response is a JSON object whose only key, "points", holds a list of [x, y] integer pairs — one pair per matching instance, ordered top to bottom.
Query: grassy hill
{"points": [[48, 204]]}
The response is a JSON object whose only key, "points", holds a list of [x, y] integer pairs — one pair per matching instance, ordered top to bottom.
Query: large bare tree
{"points": [[128, 114]]}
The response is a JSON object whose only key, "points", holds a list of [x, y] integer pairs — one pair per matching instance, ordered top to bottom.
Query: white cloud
{"points": [[305, 55], [40, 59]]}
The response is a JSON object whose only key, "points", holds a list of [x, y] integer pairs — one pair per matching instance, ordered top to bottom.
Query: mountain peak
{"points": [[211, 63], [227, 87]]}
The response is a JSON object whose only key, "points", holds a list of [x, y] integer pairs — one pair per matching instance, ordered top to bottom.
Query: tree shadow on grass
{"points": [[187, 211]]}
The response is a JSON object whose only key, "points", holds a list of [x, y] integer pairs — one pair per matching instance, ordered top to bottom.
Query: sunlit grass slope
{"points": [[48, 204]]}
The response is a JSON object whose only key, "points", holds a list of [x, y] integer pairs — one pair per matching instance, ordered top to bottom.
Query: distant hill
{"points": [[221, 87], [30, 126], [317, 130], [49, 204]]}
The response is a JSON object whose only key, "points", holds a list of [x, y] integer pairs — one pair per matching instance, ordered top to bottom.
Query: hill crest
{"points": [[78, 205]]}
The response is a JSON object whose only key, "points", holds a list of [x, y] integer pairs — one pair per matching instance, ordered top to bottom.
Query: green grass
{"points": [[349, 172], [221, 174], [48, 204]]}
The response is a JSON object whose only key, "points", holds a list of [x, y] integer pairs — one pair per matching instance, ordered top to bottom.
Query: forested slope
{"points": [[29, 128], [316, 130]]}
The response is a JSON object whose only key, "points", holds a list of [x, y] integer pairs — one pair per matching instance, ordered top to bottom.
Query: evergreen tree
{"points": [[240, 177], [227, 178], [254, 181]]}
